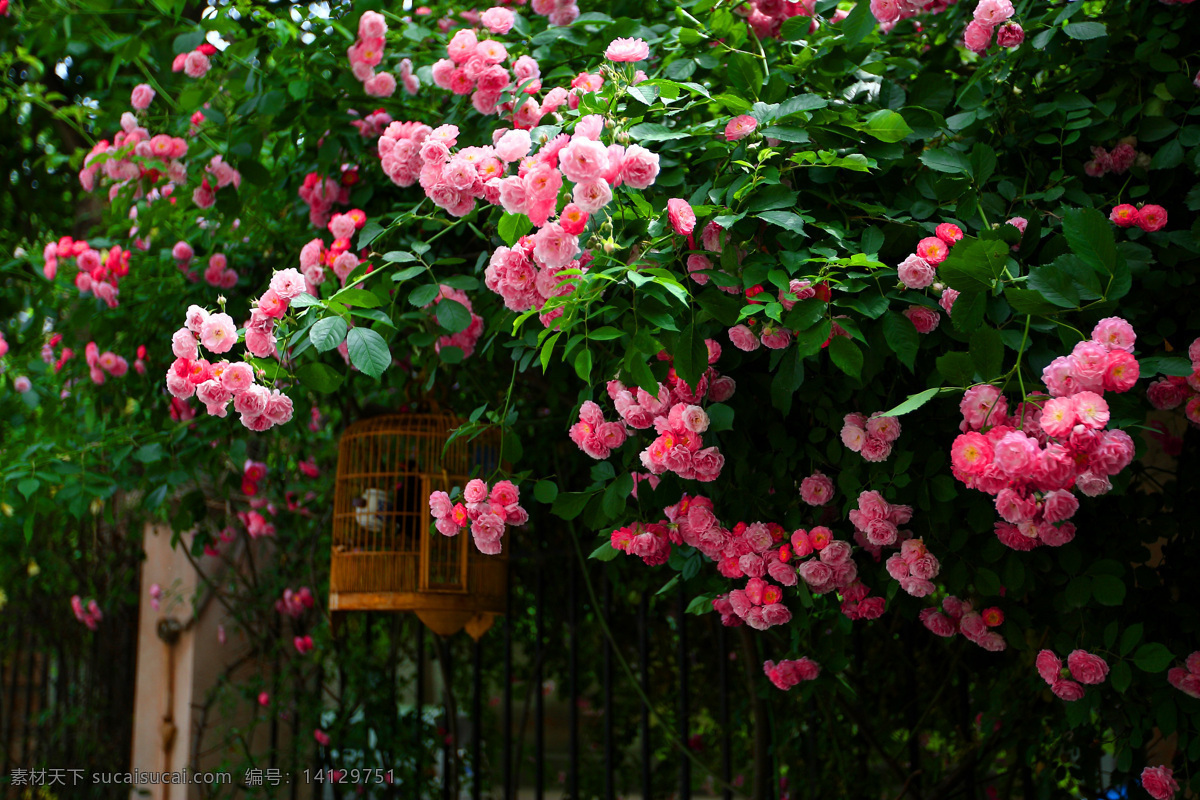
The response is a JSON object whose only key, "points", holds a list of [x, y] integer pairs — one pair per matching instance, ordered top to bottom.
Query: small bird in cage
{"points": [[370, 510]]}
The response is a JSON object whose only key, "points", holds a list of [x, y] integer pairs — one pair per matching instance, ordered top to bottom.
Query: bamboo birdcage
{"points": [[386, 554]]}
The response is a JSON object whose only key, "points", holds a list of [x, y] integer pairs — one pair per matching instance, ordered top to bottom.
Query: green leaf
{"points": [[858, 24], [794, 28], [1085, 30], [187, 42], [745, 74], [887, 126], [653, 132], [786, 134], [950, 161], [983, 163], [771, 197], [784, 219], [513, 226], [369, 233], [1090, 236], [398, 257], [973, 265], [406, 273], [1055, 285], [423, 295], [357, 297], [304, 300], [1027, 301], [968, 311], [806, 313], [453, 315], [327, 333], [901, 337], [808, 342], [368, 351], [987, 351], [691, 355], [846, 356], [583, 365], [1165, 365], [957, 368], [319, 377], [788, 377], [913, 402], [720, 417], [148, 454], [27, 486], [545, 491], [616, 494], [569, 505], [605, 552], [986, 581], [1108, 590], [1130, 638], [1152, 657], [1121, 676]]}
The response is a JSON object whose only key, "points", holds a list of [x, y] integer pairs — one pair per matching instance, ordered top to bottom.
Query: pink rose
{"points": [[497, 20], [977, 36], [627, 50], [142, 96], [740, 127], [639, 168], [681, 216], [916, 273], [218, 333], [743, 338], [1049, 666], [1087, 668], [1159, 782]]}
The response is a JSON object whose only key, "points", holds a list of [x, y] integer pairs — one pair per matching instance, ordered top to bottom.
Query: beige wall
{"points": [[173, 681]]}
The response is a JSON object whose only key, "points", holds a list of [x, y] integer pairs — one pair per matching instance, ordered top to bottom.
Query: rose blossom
{"points": [[627, 50], [740, 127], [681, 216], [1087, 668], [1159, 782]]}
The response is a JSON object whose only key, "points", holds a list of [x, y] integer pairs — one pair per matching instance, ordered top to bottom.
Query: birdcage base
{"points": [[444, 614]]}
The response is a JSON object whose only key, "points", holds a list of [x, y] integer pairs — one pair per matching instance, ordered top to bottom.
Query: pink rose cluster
{"points": [[560, 12], [889, 12], [989, 15], [766, 17], [367, 53], [194, 64], [476, 67], [372, 125], [114, 161], [1118, 161], [205, 195], [320, 195], [1148, 217], [339, 257], [920, 269], [100, 272], [218, 273], [525, 280], [467, 338], [101, 363], [216, 384], [1169, 392], [674, 414], [871, 437], [1032, 460], [487, 512], [256, 524], [877, 524], [649, 541], [832, 568], [914, 568], [295, 603], [759, 605], [89, 614], [959, 616], [1084, 667], [789, 672], [1187, 678], [1159, 782]]}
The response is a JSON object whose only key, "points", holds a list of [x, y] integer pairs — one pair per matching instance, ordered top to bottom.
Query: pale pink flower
{"points": [[993, 12], [497, 20], [977, 36], [627, 50], [196, 64], [142, 96], [740, 127], [681, 216], [916, 273], [218, 334], [816, 489]]}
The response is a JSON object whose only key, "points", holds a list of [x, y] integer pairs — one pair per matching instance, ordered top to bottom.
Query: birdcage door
{"points": [[443, 558]]}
